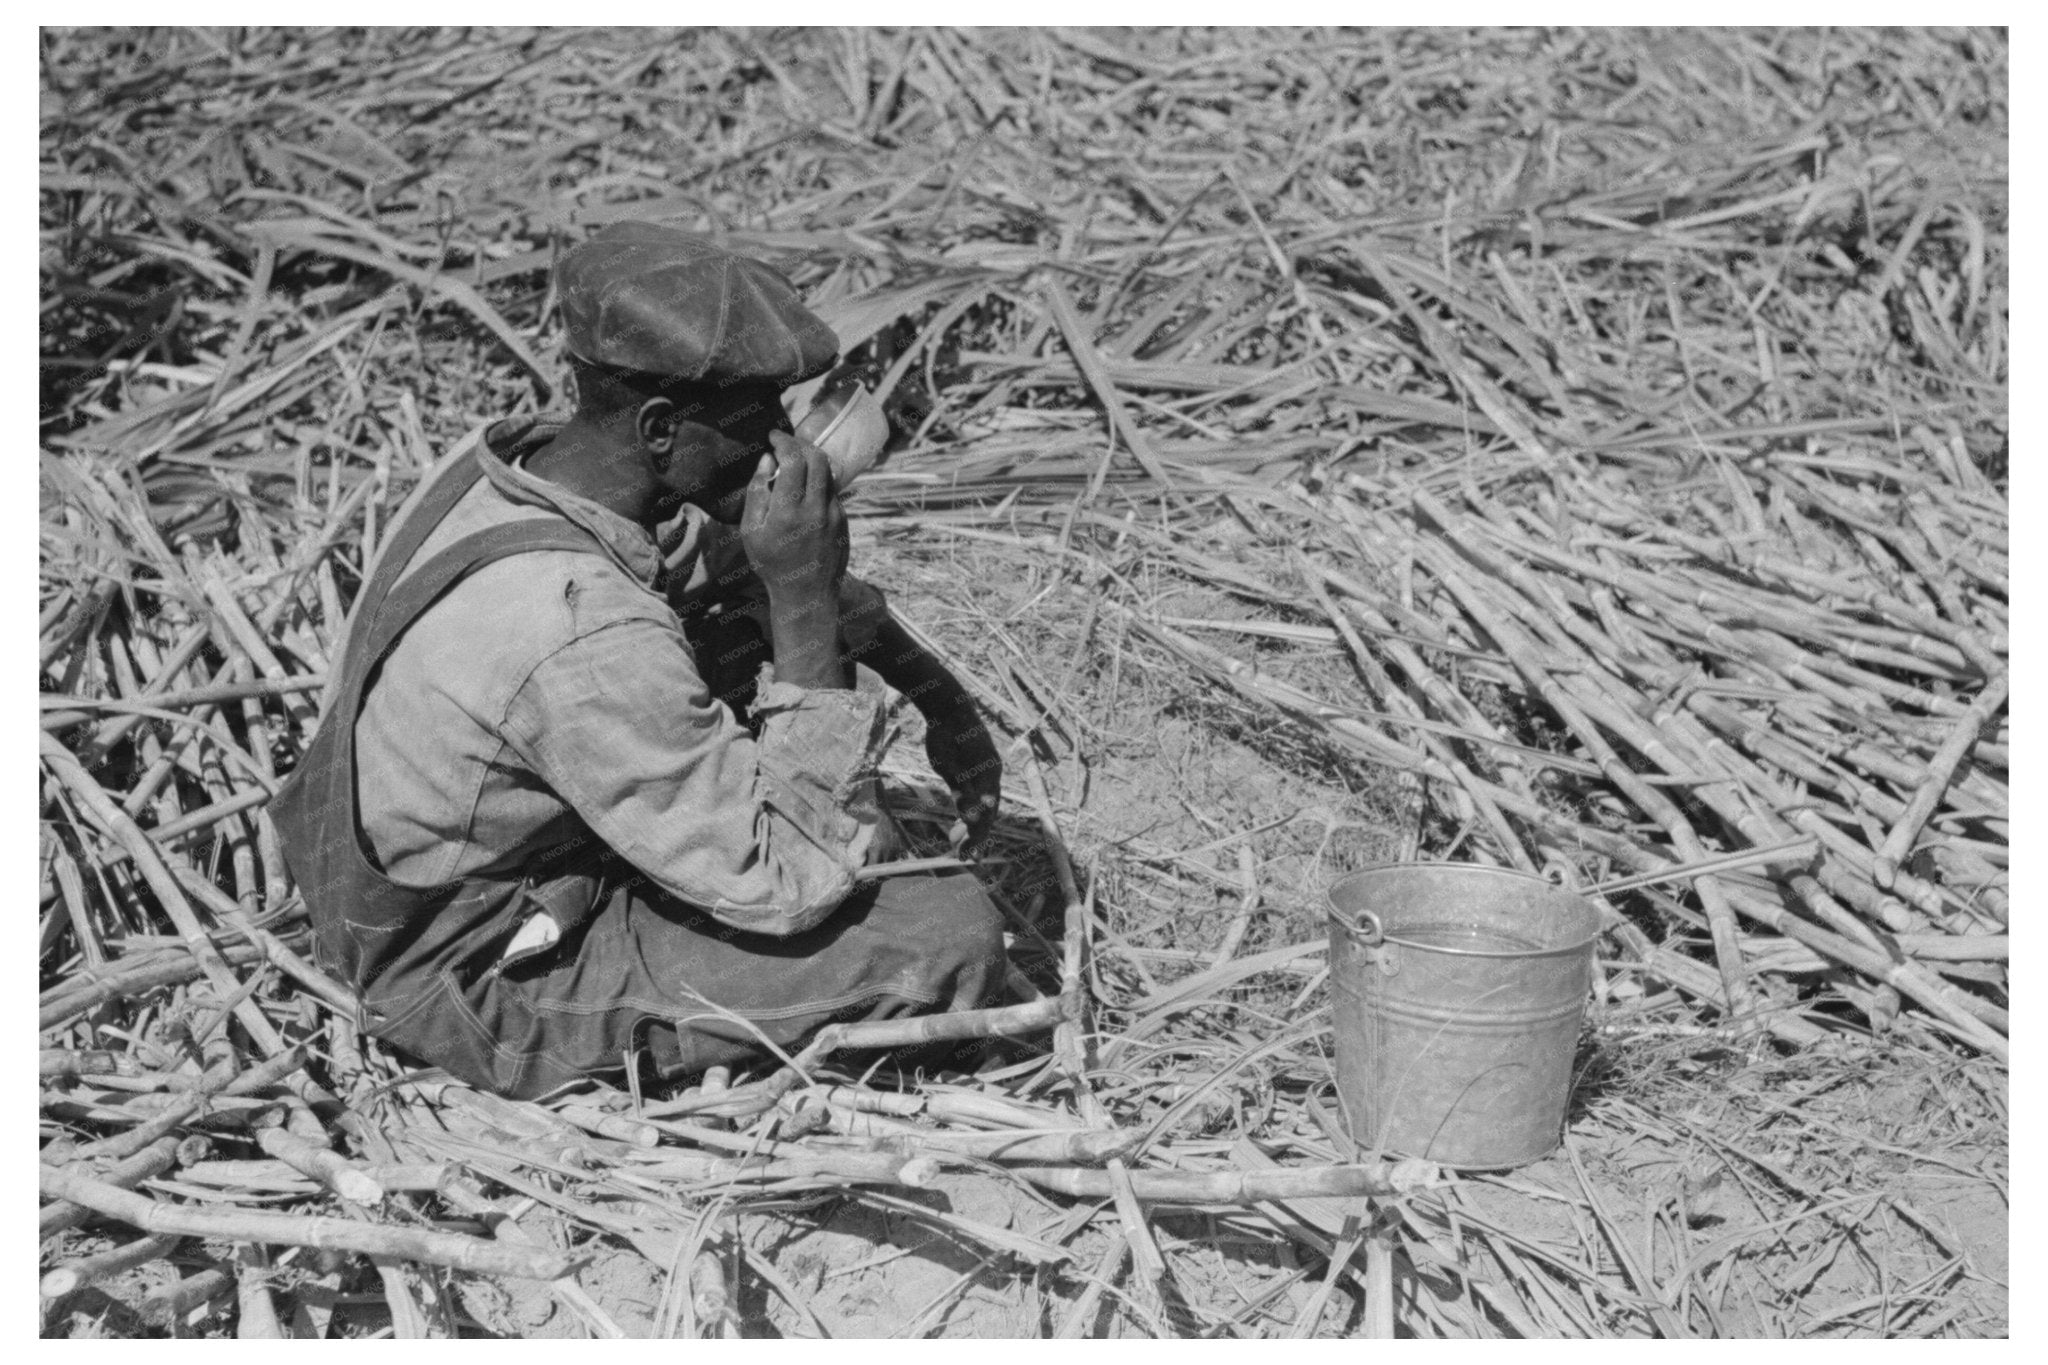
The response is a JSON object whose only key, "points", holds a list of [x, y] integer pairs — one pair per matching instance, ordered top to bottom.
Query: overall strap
{"points": [[411, 532], [400, 607]]}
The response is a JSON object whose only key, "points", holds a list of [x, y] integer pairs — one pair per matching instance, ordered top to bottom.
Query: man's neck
{"points": [[582, 460]]}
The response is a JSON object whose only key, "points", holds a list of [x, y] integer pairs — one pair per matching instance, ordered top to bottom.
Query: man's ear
{"points": [[655, 426]]}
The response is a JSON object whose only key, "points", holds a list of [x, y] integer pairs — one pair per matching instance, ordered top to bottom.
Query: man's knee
{"points": [[960, 932], [980, 948]]}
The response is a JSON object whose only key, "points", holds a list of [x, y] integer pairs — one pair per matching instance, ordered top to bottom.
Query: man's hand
{"points": [[793, 528], [795, 536], [964, 756]]}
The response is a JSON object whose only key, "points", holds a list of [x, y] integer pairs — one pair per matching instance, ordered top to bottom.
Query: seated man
{"points": [[528, 832]]}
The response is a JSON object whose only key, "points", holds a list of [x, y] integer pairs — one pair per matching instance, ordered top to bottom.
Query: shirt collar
{"points": [[503, 452]]}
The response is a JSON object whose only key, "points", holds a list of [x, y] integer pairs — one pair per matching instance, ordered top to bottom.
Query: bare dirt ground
{"points": [[1691, 1146]]}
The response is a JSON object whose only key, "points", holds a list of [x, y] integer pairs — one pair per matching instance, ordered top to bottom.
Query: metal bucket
{"points": [[1459, 991]]}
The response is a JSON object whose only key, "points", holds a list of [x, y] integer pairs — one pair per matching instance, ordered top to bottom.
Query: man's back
{"points": [[441, 797]]}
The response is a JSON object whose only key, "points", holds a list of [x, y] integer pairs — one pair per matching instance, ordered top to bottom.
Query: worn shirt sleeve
{"points": [[763, 834]]}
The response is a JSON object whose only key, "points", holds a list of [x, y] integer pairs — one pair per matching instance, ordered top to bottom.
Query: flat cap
{"points": [[667, 303]]}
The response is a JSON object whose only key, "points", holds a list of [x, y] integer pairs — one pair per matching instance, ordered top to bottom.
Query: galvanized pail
{"points": [[1458, 995]]}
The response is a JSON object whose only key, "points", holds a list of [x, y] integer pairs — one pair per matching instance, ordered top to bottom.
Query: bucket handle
{"points": [[1365, 926]]}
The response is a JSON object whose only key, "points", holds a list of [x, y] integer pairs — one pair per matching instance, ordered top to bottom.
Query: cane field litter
{"points": [[1583, 452]]}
